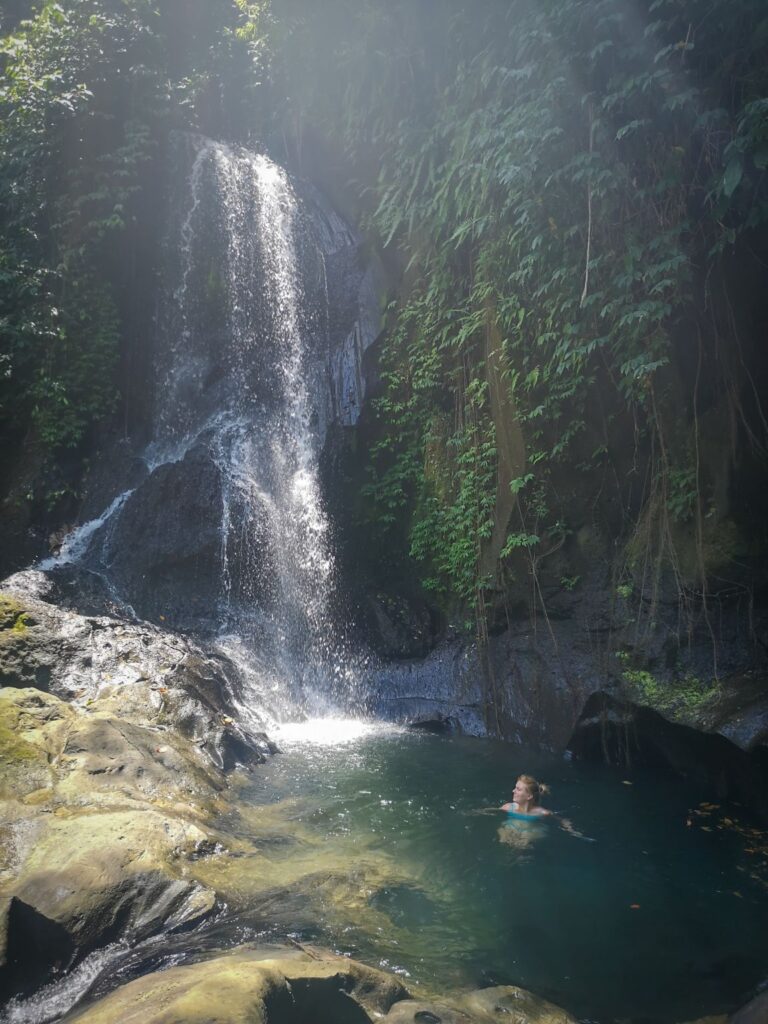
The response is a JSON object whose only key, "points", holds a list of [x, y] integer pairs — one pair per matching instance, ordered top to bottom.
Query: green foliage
{"points": [[89, 91], [70, 164], [565, 174], [556, 183], [447, 469], [681, 498], [447, 534], [680, 698]]}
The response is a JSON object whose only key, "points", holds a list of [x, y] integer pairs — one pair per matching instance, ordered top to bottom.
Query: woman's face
{"points": [[521, 793]]}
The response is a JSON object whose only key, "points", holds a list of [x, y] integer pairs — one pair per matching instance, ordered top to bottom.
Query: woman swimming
{"points": [[525, 799], [525, 806], [525, 816]]}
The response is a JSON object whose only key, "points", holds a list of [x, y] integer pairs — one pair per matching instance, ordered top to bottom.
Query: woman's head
{"points": [[528, 789]]}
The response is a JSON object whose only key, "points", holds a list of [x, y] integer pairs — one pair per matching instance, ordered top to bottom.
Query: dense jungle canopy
{"points": [[569, 200]]}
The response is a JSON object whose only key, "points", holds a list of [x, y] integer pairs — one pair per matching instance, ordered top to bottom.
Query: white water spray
{"points": [[242, 392], [277, 564]]}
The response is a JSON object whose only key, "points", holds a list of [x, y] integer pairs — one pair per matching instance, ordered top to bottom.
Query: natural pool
{"points": [[384, 844], [662, 917]]}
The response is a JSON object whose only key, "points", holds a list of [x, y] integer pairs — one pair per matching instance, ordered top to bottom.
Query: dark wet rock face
{"points": [[164, 552], [398, 628], [578, 677], [447, 684], [438, 726], [625, 734], [27, 929]]}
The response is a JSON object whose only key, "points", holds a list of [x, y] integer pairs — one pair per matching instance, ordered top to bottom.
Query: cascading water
{"points": [[246, 250], [226, 533]]}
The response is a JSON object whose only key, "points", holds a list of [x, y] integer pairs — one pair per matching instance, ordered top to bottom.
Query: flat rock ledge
{"points": [[309, 985], [298, 986]]}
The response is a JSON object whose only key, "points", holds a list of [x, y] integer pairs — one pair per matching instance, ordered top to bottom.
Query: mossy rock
{"points": [[12, 614], [24, 657], [684, 701], [24, 762], [99, 820], [247, 987], [514, 1005], [484, 1006], [417, 1011]]}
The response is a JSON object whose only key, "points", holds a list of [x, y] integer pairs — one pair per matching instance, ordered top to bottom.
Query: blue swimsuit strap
{"points": [[525, 817]]}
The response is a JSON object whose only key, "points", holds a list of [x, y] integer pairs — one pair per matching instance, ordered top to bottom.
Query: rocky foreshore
{"points": [[115, 741], [251, 985]]}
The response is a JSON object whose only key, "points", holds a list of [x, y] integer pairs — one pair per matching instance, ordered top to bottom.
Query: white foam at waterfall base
{"points": [[263, 701], [264, 704], [331, 731]]}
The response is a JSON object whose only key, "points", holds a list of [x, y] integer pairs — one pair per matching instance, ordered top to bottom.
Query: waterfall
{"points": [[254, 386], [224, 531]]}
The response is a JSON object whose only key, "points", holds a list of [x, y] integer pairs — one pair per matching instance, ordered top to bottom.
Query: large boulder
{"points": [[162, 550], [139, 671], [111, 774], [98, 817], [303, 985], [252, 986], [484, 1006], [515, 1006]]}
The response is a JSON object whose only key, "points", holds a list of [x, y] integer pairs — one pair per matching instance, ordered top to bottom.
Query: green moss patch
{"points": [[13, 616], [681, 699]]}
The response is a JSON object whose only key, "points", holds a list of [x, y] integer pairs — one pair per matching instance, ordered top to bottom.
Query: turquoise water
{"points": [[655, 919]]}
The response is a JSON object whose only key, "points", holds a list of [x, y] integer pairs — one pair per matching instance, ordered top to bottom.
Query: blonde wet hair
{"points": [[535, 788]]}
